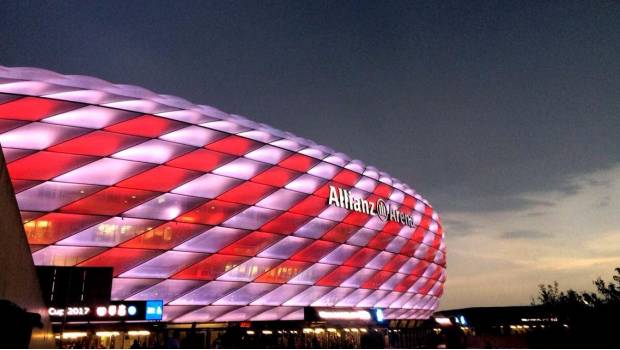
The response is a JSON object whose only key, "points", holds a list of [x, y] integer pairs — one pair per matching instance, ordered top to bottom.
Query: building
{"points": [[223, 219], [505, 327]]}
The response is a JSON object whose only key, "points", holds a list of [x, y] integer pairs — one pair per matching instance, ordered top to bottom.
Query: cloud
{"points": [[599, 182], [570, 189], [470, 199], [605, 201], [490, 203], [535, 214], [460, 227], [525, 234], [575, 263]]}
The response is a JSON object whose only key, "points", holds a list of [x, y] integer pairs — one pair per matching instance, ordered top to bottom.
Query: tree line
{"points": [[592, 317]]}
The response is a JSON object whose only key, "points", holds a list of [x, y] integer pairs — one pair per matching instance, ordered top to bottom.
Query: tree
{"points": [[611, 291], [606, 294], [551, 296], [586, 315]]}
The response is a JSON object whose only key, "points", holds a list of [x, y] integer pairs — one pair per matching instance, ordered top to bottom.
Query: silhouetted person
{"points": [[173, 343]]}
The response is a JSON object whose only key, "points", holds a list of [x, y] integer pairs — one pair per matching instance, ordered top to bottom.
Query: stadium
{"points": [[226, 221]]}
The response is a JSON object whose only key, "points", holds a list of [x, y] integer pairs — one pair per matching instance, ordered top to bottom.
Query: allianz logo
{"points": [[344, 199]]}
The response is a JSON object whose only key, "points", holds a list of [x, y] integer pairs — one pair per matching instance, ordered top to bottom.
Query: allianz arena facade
{"points": [[222, 218]]}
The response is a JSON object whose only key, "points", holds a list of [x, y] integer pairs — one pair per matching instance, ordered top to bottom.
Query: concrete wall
{"points": [[18, 278]]}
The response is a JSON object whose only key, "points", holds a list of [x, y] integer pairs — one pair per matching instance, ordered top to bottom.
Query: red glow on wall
{"points": [[35, 108], [147, 126], [98, 143], [235, 145], [201, 160], [298, 162], [46, 165], [276, 176], [347, 177], [162, 178], [383, 190], [247, 193], [110, 201], [409, 201], [311, 205], [212, 213], [356, 218], [426, 221], [286, 223], [53, 227], [392, 227], [340, 233], [418, 234], [165, 236], [380, 241], [251, 244], [410, 247], [315, 251], [430, 254], [361, 257], [121, 259], [395, 263], [211, 267], [419, 268], [284, 272], [436, 274], [337, 276], [377, 280], [406, 283], [426, 287]]}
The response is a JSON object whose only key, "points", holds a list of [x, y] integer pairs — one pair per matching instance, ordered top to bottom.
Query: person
{"points": [[173, 343], [217, 343], [135, 345]]}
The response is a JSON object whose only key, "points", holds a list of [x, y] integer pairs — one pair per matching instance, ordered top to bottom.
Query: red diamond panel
{"points": [[34, 108], [147, 126], [98, 143], [234, 145], [202, 160], [298, 162], [46, 165], [276, 176], [162, 178], [247, 193], [111, 201], [212, 213], [286, 223], [53, 227], [166, 236], [251, 244], [315, 251], [121, 259], [211, 267], [284, 272], [336, 277]]}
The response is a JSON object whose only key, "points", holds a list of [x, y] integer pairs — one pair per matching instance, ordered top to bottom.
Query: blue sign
{"points": [[154, 310], [378, 315]]}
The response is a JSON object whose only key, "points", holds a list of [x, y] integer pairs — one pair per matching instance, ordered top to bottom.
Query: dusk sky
{"points": [[505, 115]]}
